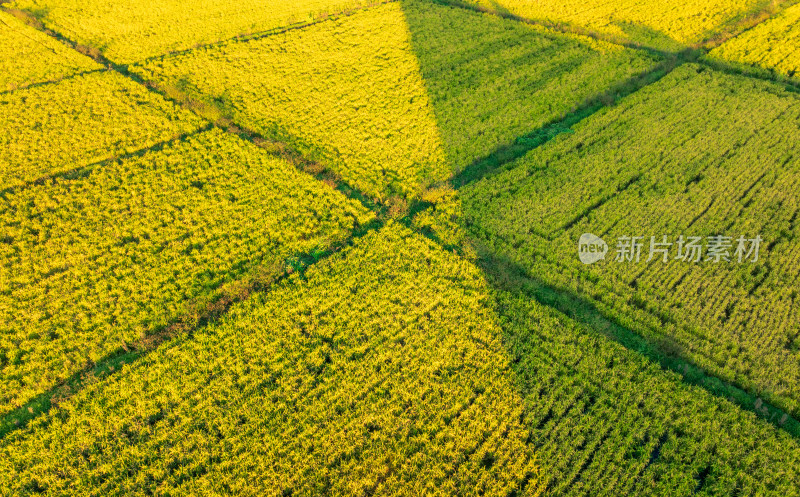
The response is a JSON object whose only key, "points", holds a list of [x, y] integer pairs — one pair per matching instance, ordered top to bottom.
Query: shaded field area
{"points": [[697, 154]]}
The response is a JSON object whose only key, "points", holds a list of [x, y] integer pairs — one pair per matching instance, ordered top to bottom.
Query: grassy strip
{"points": [[35, 20], [731, 29], [271, 32], [49, 81], [790, 84], [219, 115], [85, 170], [505, 275]]}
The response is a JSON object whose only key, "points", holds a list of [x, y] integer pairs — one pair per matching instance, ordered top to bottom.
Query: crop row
{"points": [[651, 23], [132, 30], [773, 44], [28, 56], [403, 95], [81, 120], [698, 154], [97, 260], [378, 371]]}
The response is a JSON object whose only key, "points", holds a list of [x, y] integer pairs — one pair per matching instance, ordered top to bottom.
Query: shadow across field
{"points": [[499, 269]]}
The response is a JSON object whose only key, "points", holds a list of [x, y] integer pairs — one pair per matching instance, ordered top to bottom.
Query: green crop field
{"points": [[400, 247]]}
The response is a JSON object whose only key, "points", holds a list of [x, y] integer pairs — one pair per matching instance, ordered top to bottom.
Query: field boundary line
{"points": [[768, 10], [739, 25], [562, 27], [257, 35], [96, 53], [48, 82], [788, 83], [497, 160], [88, 168], [261, 279], [185, 325]]}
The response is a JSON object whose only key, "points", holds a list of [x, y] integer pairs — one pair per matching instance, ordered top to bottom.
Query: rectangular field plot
{"points": [[651, 23], [130, 31], [774, 44], [29, 56], [401, 95], [71, 124], [699, 154], [122, 250], [379, 372], [605, 421]]}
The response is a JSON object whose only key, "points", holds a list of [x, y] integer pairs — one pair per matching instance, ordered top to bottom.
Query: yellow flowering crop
{"points": [[652, 23], [130, 31], [773, 44], [29, 56], [402, 95], [70, 124], [92, 261], [380, 372]]}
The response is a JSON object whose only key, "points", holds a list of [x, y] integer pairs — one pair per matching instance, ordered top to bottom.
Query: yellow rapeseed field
{"points": [[652, 23], [131, 30], [773, 44], [28, 56], [81, 120], [331, 248], [119, 252], [380, 371]]}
